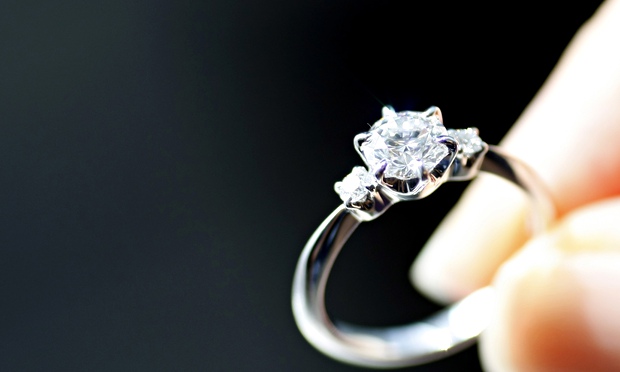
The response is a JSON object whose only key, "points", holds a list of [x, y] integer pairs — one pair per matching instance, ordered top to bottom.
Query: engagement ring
{"points": [[408, 155]]}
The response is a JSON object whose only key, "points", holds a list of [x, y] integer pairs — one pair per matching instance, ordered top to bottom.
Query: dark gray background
{"points": [[164, 162]]}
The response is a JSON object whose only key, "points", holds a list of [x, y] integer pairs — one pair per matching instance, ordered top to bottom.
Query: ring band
{"points": [[408, 155]]}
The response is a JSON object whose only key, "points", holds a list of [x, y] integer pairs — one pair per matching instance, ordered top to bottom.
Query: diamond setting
{"points": [[406, 142], [408, 155], [356, 186]]}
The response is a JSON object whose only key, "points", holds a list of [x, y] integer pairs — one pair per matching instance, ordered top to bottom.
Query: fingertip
{"points": [[555, 312]]}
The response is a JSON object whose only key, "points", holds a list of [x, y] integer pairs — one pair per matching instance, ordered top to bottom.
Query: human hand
{"points": [[558, 294]]}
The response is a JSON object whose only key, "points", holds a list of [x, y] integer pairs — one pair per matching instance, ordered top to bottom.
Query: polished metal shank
{"points": [[440, 335]]}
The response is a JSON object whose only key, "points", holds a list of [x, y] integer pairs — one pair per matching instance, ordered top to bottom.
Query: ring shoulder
{"points": [[467, 166], [376, 203]]}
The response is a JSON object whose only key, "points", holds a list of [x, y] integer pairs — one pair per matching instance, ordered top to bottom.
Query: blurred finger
{"points": [[567, 135], [559, 299]]}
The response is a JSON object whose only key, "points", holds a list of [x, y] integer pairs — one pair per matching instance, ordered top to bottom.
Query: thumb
{"points": [[559, 299]]}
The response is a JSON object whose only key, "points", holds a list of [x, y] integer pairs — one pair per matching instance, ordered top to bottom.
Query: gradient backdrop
{"points": [[163, 163]]}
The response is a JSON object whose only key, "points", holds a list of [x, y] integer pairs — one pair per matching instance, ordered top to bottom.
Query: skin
{"points": [[559, 293]]}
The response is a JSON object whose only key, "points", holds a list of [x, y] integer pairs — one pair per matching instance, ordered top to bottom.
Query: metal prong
{"points": [[388, 111], [434, 111], [358, 140], [450, 142], [380, 172]]}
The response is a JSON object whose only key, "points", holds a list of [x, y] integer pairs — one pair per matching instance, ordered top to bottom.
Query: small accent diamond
{"points": [[468, 139], [356, 185]]}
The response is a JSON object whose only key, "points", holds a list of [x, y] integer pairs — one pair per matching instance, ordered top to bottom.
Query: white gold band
{"points": [[440, 335]]}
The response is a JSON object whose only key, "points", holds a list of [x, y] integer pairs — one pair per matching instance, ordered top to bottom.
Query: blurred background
{"points": [[165, 161]]}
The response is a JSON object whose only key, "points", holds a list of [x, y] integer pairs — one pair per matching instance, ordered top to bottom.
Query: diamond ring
{"points": [[408, 155]]}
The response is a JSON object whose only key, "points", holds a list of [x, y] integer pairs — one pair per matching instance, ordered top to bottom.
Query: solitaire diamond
{"points": [[407, 142]]}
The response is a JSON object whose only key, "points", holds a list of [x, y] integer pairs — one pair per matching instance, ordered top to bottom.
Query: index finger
{"points": [[567, 134]]}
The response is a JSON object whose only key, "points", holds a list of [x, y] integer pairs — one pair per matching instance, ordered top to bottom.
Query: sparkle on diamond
{"points": [[407, 141]]}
